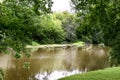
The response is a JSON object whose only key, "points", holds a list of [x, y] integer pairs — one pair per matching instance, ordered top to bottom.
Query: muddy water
{"points": [[54, 63]]}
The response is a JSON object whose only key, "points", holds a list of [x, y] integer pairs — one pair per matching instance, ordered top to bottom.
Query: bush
{"points": [[1, 74]]}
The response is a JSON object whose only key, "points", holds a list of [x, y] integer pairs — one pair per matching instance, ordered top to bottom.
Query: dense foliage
{"points": [[25, 21], [16, 22], [100, 22], [69, 24], [15, 25], [48, 29]]}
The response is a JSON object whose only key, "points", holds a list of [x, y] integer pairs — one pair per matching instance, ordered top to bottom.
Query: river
{"points": [[53, 63]]}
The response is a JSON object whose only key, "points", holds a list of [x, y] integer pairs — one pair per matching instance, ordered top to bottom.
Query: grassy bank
{"points": [[37, 45], [106, 74]]}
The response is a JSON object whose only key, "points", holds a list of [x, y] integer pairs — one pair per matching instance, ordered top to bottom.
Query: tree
{"points": [[38, 6], [105, 16], [16, 22], [69, 24], [48, 29]]}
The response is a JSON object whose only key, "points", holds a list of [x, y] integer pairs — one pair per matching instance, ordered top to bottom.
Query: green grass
{"points": [[35, 43], [79, 44], [106, 74]]}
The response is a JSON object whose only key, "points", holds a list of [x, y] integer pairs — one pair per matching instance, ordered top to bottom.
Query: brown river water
{"points": [[54, 63]]}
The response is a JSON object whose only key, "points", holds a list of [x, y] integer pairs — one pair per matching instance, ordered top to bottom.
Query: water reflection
{"points": [[92, 58], [54, 63], [54, 75]]}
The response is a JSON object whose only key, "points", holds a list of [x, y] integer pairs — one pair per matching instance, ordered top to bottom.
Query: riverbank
{"points": [[36, 45], [106, 74]]}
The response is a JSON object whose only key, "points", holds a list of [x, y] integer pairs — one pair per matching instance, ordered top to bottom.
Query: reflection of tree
{"points": [[69, 58], [92, 58], [40, 62], [16, 70]]}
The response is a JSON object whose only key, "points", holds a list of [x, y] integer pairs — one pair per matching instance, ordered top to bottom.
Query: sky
{"points": [[61, 5]]}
